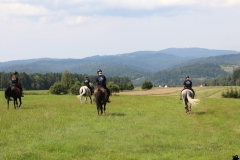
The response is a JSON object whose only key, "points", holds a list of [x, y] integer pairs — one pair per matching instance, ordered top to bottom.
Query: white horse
{"points": [[84, 90], [188, 101]]}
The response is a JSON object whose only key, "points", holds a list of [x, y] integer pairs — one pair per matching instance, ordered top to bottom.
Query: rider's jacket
{"points": [[14, 80], [101, 81], [86, 83], [187, 84]]}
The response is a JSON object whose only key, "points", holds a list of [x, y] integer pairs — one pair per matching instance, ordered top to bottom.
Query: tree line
{"points": [[197, 72], [231, 80], [39, 81]]}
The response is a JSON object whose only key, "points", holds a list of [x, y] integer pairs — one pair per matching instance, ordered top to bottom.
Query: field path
{"points": [[153, 91]]}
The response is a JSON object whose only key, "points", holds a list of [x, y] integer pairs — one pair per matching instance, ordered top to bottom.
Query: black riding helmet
{"points": [[99, 71], [15, 72], [187, 76]]}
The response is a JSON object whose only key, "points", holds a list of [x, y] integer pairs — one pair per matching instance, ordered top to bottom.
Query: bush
{"points": [[147, 85], [130, 86], [58, 88], [114, 88], [74, 89], [231, 94]]}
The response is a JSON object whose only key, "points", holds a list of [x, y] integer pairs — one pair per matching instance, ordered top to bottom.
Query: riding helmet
{"points": [[99, 70], [15, 72], [187, 76]]}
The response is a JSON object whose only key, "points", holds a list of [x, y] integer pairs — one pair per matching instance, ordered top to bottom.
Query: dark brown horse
{"points": [[15, 93], [100, 95]]}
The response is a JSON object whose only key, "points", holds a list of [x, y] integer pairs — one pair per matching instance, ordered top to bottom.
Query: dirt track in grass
{"points": [[154, 91]]}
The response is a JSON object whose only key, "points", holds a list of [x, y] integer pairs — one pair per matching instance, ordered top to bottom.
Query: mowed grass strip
{"points": [[135, 127]]}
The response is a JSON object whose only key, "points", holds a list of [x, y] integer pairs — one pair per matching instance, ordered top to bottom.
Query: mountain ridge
{"points": [[136, 65]]}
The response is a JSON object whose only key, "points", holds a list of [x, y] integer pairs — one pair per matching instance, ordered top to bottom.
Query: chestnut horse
{"points": [[100, 96]]}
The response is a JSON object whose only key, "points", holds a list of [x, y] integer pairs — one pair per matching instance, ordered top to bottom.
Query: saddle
{"points": [[14, 87], [103, 90]]}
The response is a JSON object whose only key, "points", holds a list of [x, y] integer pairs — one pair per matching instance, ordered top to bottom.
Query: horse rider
{"points": [[15, 82], [101, 82], [86, 83], [187, 84]]}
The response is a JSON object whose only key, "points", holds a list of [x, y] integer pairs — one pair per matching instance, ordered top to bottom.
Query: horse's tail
{"points": [[81, 92], [98, 96], [192, 101]]}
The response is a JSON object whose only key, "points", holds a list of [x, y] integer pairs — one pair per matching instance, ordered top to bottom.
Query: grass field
{"points": [[136, 127]]}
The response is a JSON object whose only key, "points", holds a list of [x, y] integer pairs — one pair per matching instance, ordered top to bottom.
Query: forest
{"points": [[39, 81]]}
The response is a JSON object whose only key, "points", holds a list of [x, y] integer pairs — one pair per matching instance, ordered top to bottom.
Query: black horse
{"points": [[15, 93], [100, 95]]}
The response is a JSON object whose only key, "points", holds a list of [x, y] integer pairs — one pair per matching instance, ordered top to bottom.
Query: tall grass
{"points": [[135, 127]]}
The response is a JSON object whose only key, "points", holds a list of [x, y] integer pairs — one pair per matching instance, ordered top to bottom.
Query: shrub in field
{"points": [[147, 85], [130, 86], [58, 88], [114, 88], [74, 89], [232, 93]]}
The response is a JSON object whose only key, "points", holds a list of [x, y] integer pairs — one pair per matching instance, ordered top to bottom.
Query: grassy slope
{"points": [[135, 127]]}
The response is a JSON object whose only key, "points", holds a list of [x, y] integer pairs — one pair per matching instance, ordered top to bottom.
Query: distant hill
{"points": [[197, 52], [138, 66], [198, 69]]}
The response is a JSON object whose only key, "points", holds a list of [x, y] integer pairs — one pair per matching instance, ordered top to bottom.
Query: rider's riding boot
{"points": [[108, 100]]}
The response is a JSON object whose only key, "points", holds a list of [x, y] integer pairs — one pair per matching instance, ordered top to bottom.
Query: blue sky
{"points": [[83, 28]]}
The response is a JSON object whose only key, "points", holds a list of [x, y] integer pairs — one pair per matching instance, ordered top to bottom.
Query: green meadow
{"points": [[144, 127]]}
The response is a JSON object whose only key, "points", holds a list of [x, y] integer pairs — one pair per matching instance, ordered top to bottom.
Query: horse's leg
{"points": [[90, 97], [86, 99], [8, 101], [20, 101], [14, 102], [186, 105], [99, 108], [104, 108]]}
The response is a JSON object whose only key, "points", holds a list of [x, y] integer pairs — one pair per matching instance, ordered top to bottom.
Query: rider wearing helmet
{"points": [[15, 82], [101, 82], [86, 83], [187, 84]]}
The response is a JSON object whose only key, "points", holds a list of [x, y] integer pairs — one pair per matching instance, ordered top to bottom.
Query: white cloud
{"points": [[146, 4], [153, 4], [18, 9], [81, 28]]}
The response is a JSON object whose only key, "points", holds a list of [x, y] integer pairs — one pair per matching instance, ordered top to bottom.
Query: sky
{"points": [[84, 28]]}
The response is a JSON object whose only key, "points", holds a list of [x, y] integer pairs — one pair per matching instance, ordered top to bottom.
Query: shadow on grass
{"points": [[200, 113], [117, 114]]}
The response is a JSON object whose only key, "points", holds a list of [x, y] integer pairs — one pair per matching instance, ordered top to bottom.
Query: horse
{"points": [[84, 90], [15, 93], [100, 96], [188, 101]]}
